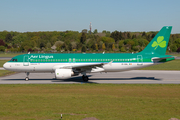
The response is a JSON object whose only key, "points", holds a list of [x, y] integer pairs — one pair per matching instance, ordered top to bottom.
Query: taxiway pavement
{"points": [[126, 77]]}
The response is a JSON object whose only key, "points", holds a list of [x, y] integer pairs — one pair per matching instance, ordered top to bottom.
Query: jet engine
{"points": [[63, 73]]}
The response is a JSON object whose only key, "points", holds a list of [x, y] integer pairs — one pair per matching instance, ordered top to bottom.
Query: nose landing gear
{"points": [[27, 78]]}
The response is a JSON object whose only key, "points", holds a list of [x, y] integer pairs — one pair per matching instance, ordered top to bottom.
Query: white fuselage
{"points": [[50, 67]]}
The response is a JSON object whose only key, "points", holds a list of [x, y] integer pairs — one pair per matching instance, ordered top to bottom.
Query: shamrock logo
{"points": [[160, 42]]}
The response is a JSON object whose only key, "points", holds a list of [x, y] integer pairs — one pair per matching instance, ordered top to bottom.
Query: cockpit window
{"points": [[14, 60]]}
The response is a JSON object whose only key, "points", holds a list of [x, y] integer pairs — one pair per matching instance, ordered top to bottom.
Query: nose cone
{"points": [[5, 66]]}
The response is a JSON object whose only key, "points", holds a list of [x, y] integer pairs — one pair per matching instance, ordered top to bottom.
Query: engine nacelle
{"points": [[63, 73]]}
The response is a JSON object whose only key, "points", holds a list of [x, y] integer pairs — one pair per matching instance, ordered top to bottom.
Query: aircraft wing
{"points": [[86, 65], [89, 67]]}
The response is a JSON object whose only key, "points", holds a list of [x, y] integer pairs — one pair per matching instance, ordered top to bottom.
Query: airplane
{"points": [[72, 64]]}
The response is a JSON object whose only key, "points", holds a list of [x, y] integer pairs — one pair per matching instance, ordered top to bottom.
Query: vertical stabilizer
{"points": [[159, 43]]}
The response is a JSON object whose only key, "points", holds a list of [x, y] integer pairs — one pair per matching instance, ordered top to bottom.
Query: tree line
{"points": [[74, 41]]}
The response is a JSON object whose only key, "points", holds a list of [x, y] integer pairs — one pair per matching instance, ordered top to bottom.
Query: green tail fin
{"points": [[159, 43]]}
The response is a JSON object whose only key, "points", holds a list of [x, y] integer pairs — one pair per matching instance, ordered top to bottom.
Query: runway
{"points": [[126, 77]]}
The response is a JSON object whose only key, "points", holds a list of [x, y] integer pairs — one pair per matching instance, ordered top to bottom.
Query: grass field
{"points": [[5, 72], [78, 101]]}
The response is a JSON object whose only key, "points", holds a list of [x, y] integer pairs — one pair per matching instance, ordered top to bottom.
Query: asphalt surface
{"points": [[5, 58], [178, 58], [1, 68], [127, 77]]}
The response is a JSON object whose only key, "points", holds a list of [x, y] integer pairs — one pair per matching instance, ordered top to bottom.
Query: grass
{"points": [[171, 65], [5, 72], [78, 101]]}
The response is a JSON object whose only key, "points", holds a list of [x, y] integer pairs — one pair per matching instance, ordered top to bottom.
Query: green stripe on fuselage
{"points": [[85, 58]]}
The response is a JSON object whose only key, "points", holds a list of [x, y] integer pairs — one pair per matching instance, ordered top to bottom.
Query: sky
{"points": [[76, 15]]}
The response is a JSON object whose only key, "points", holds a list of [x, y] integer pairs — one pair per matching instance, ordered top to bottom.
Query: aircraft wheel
{"points": [[85, 78], [26, 79]]}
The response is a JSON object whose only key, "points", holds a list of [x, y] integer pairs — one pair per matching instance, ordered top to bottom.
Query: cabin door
{"points": [[139, 60], [26, 61]]}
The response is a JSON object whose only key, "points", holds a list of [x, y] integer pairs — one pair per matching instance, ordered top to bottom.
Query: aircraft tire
{"points": [[85, 78], [26, 79]]}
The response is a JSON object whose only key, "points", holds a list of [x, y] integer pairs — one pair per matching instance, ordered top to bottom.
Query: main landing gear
{"points": [[27, 78], [85, 78]]}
